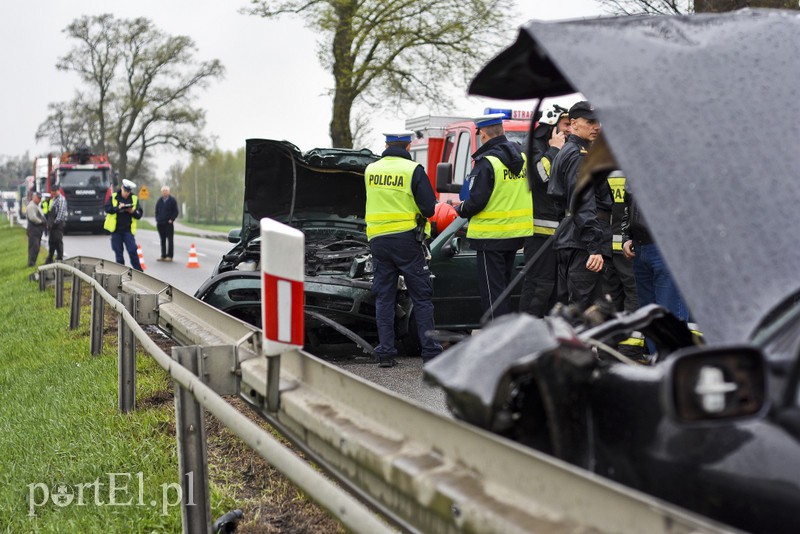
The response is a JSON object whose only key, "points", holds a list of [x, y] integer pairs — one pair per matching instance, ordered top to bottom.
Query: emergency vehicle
{"points": [[453, 140], [85, 180]]}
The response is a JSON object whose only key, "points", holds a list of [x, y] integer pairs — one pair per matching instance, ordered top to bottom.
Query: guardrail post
{"points": [[43, 280], [59, 288], [75, 303], [282, 309], [98, 319], [127, 357], [192, 452]]}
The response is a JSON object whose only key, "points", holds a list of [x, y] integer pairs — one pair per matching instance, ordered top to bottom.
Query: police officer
{"points": [[399, 200], [45, 207], [499, 208], [122, 212], [584, 244], [539, 286]]}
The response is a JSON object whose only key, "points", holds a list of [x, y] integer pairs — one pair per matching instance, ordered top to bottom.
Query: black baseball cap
{"points": [[582, 109]]}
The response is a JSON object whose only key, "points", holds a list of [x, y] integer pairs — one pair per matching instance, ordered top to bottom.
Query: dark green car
{"points": [[322, 194]]}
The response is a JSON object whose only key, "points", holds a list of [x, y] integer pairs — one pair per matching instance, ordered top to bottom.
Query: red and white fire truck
{"points": [[453, 140]]}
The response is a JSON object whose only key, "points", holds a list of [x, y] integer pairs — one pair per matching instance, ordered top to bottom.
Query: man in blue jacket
{"points": [[166, 213]]}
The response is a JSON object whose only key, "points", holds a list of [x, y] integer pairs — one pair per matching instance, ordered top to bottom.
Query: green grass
{"points": [[144, 225], [59, 421]]}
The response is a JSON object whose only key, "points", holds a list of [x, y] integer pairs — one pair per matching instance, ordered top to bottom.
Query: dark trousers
{"points": [[166, 231], [118, 239], [34, 242], [56, 242], [392, 256], [495, 269], [576, 283], [620, 284], [539, 287]]}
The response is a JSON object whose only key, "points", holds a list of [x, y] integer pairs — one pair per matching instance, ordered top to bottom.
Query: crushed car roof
{"points": [[702, 112], [281, 181]]}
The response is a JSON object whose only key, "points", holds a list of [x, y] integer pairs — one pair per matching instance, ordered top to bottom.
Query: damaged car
{"points": [[321, 192], [712, 426]]}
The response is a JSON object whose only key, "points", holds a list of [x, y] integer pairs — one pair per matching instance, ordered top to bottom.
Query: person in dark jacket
{"points": [[400, 198], [499, 208], [122, 212], [166, 213], [57, 219], [584, 244], [654, 283], [539, 287]]}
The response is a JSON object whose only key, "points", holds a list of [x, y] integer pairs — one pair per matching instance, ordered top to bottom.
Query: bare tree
{"points": [[677, 7], [388, 52], [140, 86]]}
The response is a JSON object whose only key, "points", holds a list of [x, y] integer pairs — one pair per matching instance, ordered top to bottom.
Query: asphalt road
{"points": [[209, 251]]}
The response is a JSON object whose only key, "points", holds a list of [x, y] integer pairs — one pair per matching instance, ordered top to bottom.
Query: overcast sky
{"points": [[273, 87]]}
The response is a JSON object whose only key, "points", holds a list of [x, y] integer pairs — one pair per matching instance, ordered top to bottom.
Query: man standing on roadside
{"points": [[399, 201], [499, 210], [122, 212], [166, 213], [58, 221], [35, 228], [584, 244]]}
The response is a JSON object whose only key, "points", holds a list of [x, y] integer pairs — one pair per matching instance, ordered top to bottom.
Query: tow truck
{"points": [[453, 140], [86, 182]]}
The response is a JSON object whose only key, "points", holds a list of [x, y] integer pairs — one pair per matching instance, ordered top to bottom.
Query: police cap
{"points": [[582, 109], [489, 120], [399, 137], [128, 185], [46, 195]]}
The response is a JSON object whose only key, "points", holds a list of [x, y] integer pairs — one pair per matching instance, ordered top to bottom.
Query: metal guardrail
{"points": [[422, 471]]}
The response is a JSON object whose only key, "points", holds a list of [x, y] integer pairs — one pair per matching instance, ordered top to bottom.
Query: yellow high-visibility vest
{"points": [[391, 208], [509, 212], [111, 218]]}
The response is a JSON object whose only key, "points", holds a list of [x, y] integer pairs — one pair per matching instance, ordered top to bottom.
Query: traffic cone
{"points": [[141, 257], [193, 263]]}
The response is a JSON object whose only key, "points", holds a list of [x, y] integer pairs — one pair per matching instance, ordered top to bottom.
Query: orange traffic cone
{"points": [[141, 257], [193, 263]]}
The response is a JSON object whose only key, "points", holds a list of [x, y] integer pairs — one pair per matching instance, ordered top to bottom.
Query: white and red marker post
{"points": [[282, 304]]}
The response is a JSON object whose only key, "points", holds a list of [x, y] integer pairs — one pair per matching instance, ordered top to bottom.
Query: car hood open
{"points": [[702, 112], [283, 183]]}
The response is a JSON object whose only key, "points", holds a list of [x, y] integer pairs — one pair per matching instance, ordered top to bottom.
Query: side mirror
{"points": [[444, 179], [233, 235], [452, 247], [720, 384]]}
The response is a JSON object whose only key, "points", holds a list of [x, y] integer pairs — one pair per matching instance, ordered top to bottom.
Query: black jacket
{"points": [[540, 164], [481, 181], [166, 210], [634, 226], [583, 229]]}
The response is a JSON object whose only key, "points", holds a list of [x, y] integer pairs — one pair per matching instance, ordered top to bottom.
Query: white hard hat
{"points": [[551, 115], [127, 184]]}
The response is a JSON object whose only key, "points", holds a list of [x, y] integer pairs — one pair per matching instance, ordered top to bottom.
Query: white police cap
{"points": [[489, 120], [399, 137], [128, 185]]}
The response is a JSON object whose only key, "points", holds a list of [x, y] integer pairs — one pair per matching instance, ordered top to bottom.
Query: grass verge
{"points": [[70, 462]]}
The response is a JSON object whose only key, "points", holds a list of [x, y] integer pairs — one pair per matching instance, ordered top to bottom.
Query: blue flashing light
{"points": [[491, 111]]}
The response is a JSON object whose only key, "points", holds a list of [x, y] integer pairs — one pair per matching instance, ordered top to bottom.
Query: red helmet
{"points": [[443, 215]]}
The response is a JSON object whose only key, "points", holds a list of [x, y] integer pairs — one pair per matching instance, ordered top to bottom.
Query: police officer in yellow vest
{"points": [[400, 198], [45, 207], [499, 209], [122, 212]]}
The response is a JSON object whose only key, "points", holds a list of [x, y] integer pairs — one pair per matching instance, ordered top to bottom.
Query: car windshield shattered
{"points": [[713, 425]]}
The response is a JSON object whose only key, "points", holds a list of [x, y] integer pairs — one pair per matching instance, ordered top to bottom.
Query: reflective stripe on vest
{"points": [[391, 208], [509, 212], [111, 218], [544, 227], [616, 243]]}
